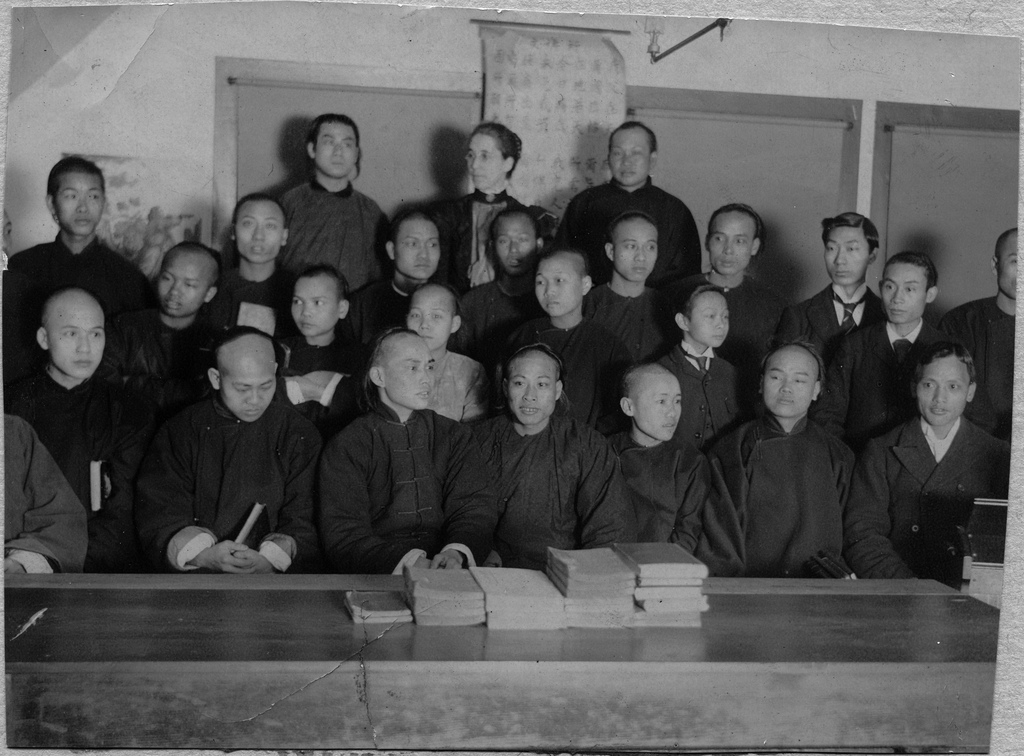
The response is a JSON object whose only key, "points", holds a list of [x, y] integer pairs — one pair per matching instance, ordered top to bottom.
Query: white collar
{"points": [[911, 337]]}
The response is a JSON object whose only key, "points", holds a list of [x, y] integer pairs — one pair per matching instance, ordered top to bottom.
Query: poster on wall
{"points": [[563, 95], [142, 219]]}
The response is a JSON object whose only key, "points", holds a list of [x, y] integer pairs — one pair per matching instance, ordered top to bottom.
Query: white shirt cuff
{"points": [[293, 391], [328, 395], [195, 546], [464, 550], [276, 556], [409, 559], [34, 564]]}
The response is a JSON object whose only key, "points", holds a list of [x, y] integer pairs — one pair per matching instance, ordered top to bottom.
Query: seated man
{"points": [[632, 155], [851, 244], [415, 250], [258, 292], [626, 306], [986, 327], [163, 354], [593, 356], [321, 377], [868, 382], [459, 390], [97, 432], [212, 464], [558, 479], [668, 479], [781, 481], [916, 484], [402, 485], [44, 524]]}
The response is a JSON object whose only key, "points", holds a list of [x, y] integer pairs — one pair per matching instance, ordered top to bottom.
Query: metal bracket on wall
{"points": [[655, 50]]}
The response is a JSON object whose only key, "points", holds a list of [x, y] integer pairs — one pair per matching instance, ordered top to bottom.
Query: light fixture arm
{"points": [[653, 48]]}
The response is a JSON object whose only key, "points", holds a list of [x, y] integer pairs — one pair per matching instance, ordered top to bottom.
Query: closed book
{"points": [[661, 560]]}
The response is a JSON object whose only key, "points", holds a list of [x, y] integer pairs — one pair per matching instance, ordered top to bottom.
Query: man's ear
{"points": [[311, 150], [654, 162], [51, 206], [284, 237], [390, 247], [755, 247], [609, 251], [588, 283], [932, 293], [210, 294], [343, 306], [682, 322], [456, 323], [43, 339], [214, 375], [377, 376], [558, 390], [817, 390], [970, 392], [626, 404]]}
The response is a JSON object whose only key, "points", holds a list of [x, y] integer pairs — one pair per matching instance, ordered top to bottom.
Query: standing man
{"points": [[632, 155], [986, 327]]}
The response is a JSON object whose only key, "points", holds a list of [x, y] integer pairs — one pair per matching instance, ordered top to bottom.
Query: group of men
{"points": [[599, 388]]}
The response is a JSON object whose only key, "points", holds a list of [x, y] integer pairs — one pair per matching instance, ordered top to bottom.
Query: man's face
{"points": [[336, 151], [631, 159], [78, 204], [259, 231], [515, 243], [731, 243], [416, 250], [633, 250], [847, 256], [1005, 263], [184, 285], [559, 286], [905, 293], [317, 308], [432, 316], [708, 322], [73, 334], [406, 375], [245, 377], [790, 383], [532, 389], [943, 392], [654, 405]]}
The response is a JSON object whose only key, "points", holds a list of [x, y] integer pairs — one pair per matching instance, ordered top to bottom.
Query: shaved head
{"points": [[445, 293], [65, 301], [249, 349], [246, 373], [633, 379]]}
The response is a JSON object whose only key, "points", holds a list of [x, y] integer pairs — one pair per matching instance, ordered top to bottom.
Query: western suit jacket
{"points": [[815, 320]]}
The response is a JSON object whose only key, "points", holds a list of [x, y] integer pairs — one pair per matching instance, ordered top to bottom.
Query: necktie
{"points": [[848, 323], [902, 348], [702, 363]]}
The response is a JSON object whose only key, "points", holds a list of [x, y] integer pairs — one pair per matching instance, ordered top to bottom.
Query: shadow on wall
{"points": [[448, 146], [776, 264]]}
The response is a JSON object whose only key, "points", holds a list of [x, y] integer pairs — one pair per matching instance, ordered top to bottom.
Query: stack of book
{"points": [[669, 583], [597, 585], [444, 597], [520, 599], [377, 607]]}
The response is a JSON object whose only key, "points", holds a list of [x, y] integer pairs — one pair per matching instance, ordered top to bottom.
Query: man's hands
{"points": [[229, 556], [448, 560]]}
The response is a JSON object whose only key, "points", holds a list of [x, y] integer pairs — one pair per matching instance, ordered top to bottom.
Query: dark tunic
{"points": [[454, 220], [585, 226], [345, 229], [118, 284], [232, 290], [373, 309], [754, 311], [489, 316], [815, 320], [644, 324], [988, 334], [336, 357], [593, 358], [166, 366], [868, 392], [710, 406], [93, 422], [207, 468], [668, 485], [388, 487], [561, 487], [779, 499], [904, 508], [41, 513]]}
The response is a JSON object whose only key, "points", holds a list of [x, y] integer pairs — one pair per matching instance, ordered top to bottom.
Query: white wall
{"points": [[141, 81]]}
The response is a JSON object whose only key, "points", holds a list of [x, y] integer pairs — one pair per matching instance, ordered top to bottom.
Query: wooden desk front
{"points": [[275, 662]]}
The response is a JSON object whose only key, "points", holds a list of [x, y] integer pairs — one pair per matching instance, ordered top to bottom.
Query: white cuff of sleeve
{"points": [[293, 391], [328, 394], [195, 546], [464, 550], [275, 555], [408, 560], [34, 564]]}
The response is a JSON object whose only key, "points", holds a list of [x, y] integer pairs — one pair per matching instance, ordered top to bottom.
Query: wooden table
{"points": [[275, 662]]}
